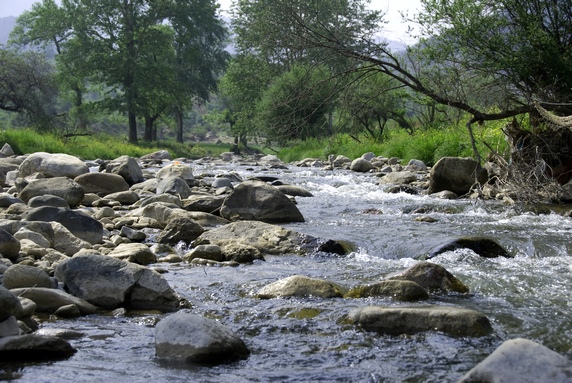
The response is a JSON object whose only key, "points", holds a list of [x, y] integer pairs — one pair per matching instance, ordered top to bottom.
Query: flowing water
{"points": [[305, 340]]}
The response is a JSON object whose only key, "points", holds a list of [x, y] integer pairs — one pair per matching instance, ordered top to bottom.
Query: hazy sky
{"points": [[395, 29]]}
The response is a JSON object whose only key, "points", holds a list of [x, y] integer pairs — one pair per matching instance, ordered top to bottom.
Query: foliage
{"points": [[144, 56], [27, 85], [296, 104], [428, 145], [102, 146]]}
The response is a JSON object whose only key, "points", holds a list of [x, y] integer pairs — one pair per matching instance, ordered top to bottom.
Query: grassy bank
{"points": [[426, 145], [101, 146]]}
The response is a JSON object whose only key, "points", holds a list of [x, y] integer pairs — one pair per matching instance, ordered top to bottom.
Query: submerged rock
{"points": [[484, 247], [433, 277], [301, 286], [398, 290], [409, 320], [184, 337], [34, 347], [523, 361]]}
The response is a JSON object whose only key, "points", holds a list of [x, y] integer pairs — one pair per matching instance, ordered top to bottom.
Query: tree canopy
{"points": [[145, 56]]}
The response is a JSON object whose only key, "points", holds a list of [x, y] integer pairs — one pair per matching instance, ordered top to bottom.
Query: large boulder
{"points": [[52, 165], [361, 165], [127, 167], [456, 174], [398, 178], [102, 183], [62, 187], [256, 200], [81, 225], [267, 238], [65, 241], [484, 247], [432, 277], [110, 283], [301, 286], [409, 320], [184, 337], [523, 361]]}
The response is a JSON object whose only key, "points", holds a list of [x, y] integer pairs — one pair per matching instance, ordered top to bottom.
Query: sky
{"points": [[395, 29]]}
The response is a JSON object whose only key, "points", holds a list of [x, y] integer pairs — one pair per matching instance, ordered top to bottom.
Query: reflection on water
{"points": [[303, 340]]}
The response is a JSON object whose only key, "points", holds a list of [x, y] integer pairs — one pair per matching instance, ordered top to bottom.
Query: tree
{"points": [[140, 53], [27, 86], [241, 88], [370, 100], [296, 105]]}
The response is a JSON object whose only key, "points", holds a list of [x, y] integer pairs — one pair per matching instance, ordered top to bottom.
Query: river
{"points": [[305, 340]]}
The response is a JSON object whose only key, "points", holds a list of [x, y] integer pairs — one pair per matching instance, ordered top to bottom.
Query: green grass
{"points": [[426, 145], [103, 146]]}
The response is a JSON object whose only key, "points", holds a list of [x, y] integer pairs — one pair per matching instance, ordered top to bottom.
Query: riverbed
{"points": [[306, 340]]}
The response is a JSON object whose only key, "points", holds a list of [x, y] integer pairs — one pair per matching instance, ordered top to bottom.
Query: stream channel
{"points": [[304, 340]]}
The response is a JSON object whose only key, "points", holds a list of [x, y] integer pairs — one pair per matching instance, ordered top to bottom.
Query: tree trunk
{"points": [[179, 119], [132, 127], [148, 135]]}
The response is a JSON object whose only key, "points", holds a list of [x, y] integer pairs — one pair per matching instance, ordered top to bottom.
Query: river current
{"points": [[306, 340]]}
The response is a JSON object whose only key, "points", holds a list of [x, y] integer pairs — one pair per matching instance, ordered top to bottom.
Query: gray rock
{"points": [[7, 150], [158, 155], [340, 161], [53, 165], [361, 165], [416, 166], [127, 167], [179, 170], [456, 174], [398, 178], [222, 182], [102, 184], [174, 186], [62, 187], [295, 191], [128, 197], [7, 200], [48, 200], [256, 200], [203, 203], [81, 225], [180, 229], [132, 234], [267, 238], [65, 241], [9, 246], [484, 247], [134, 252], [210, 252], [240, 253], [26, 276], [432, 277], [110, 283], [301, 286], [398, 290], [48, 300], [9, 304], [68, 311], [409, 320], [9, 327], [190, 338], [32, 347], [523, 361]]}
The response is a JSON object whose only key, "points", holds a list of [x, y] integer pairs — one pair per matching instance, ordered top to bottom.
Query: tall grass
{"points": [[426, 145], [103, 146]]}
